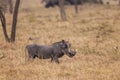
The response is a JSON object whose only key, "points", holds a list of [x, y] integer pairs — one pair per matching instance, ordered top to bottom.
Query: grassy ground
{"points": [[94, 32]]}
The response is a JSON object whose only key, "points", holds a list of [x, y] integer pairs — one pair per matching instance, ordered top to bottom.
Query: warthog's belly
{"points": [[45, 52], [44, 56]]}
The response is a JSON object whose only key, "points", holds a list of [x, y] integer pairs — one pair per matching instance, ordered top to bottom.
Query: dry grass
{"points": [[94, 32]]}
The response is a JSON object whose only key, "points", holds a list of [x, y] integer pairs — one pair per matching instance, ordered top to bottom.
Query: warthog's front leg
{"points": [[56, 59]]}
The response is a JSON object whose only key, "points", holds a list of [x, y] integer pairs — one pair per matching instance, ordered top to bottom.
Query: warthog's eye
{"points": [[63, 45], [66, 46]]}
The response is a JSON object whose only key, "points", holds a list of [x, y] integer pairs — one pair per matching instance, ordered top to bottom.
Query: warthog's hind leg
{"points": [[51, 59]]}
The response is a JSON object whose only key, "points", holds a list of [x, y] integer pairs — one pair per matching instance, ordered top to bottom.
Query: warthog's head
{"points": [[66, 48]]}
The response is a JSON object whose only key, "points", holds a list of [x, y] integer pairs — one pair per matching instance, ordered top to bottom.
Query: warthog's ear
{"points": [[63, 41]]}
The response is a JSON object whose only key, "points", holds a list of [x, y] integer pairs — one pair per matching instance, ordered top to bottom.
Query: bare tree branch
{"points": [[10, 6], [76, 6], [62, 11], [15, 15], [3, 22]]}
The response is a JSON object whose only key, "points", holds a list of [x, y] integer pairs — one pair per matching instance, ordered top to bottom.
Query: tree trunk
{"points": [[10, 6], [76, 6], [62, 11], [15, 15], [3, 21]]}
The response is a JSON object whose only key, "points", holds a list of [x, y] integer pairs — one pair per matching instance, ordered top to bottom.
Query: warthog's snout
{"points": [[72, 53]]}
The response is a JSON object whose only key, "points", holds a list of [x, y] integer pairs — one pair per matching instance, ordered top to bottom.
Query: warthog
{"points": [[53, 51]]}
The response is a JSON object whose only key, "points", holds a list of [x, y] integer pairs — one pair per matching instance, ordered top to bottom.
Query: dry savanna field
{"points": [[94, 32]]}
